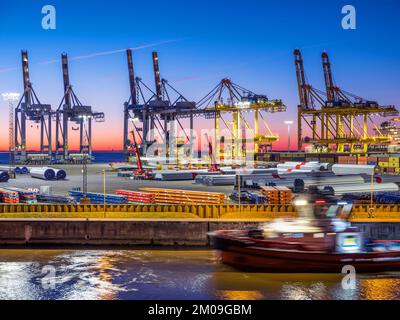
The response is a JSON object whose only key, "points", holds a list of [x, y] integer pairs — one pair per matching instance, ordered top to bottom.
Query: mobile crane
{"points": [[214, 165], [140, 173]]}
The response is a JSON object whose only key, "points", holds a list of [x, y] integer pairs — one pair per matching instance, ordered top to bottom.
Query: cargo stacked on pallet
{"points": [[329, 158], [347, 160], [362, 160], [372, 160], [383, 162], [394, 162], [389, 164], [271, 194], [277, 195], [285, 195], [8, 196], [25, 196], [137, 196], [178, 196], [46, 198], [98, 198]]}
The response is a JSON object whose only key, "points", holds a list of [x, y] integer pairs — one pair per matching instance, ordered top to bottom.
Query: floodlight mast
{"points": [[11, 98]]}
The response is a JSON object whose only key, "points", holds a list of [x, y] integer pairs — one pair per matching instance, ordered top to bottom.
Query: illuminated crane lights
{"points": [[238, 102], [30, 109], [343, 118]]}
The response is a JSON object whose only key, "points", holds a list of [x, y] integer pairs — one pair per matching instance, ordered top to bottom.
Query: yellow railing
{"points": [[143, 211], [359, 213], [375, 213]]}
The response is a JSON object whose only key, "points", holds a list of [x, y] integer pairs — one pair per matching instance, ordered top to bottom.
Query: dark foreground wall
{"points": [[380, 230], [111, 232], [138, 232]]}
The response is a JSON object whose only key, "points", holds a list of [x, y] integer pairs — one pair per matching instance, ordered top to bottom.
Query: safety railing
{"points": [[126, 211]]}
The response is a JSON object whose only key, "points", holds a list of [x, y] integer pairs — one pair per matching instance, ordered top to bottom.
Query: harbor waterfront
{"points": [[189, 158], [152, 232], [167, 274]]}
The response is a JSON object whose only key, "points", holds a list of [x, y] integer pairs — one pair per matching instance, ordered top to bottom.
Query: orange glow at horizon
{"points": [[106, 139]]}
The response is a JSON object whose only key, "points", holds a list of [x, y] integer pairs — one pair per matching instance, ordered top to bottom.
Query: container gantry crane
{"points": [[229, 98], [311, 102], [31, 109], [72, 110], [343, 110], [158, 111], [343, 118]]}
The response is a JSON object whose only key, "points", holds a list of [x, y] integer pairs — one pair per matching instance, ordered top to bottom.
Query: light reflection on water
{"points": [[168, 274]]}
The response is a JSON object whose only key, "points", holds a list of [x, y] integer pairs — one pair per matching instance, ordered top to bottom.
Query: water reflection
{"points": [[168, 274], [380, 287]]}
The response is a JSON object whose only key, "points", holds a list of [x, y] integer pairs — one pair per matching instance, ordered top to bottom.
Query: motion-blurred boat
{"points": [[305, 245]]}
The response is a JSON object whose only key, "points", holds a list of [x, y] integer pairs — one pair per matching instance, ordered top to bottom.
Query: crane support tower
{"points": [[228, 98], [30, 109], [72, 110], [156, 115], [339, 121]]}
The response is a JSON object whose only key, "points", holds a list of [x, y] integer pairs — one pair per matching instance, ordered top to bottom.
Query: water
{"points": [[99, 157], [166, 274]]}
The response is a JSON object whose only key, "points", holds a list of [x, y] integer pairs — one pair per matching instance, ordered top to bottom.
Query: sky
{"points": [[198, 43]]}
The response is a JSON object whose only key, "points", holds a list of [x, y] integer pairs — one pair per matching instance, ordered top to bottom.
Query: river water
{"points": [[166, 274]]}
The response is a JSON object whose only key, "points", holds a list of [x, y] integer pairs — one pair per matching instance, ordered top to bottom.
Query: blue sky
{"points": [[199, 43]]}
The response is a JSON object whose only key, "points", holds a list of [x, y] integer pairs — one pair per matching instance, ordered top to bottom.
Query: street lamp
{"points": [[11, 97], [288, 123], [104, 192]]}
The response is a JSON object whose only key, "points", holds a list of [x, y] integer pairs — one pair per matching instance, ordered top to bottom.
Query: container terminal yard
{"points": [[205, 150], [342, 152], [346, 161]]}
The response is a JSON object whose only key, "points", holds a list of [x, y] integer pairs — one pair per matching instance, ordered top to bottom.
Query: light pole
{"points": [[11, 97], [289, 123], [104, 191]]}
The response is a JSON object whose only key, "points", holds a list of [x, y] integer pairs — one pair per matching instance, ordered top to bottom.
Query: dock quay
{"points": [[159, 225]]}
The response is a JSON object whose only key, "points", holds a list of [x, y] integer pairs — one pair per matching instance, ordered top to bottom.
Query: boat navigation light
{"points": [[300, 202]]}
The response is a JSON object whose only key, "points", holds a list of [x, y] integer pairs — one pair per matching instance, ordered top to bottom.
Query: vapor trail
{"points": [[106, 53], [99, 54]]}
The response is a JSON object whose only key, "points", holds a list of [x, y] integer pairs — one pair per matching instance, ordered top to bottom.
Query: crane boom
{"points": [[65, 71], [25, 75], [157, 77], [301, 79], [132, 83], [329, 85]]}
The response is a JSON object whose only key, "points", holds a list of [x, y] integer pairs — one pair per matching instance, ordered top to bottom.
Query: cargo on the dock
{"points": [[343, 169], [46, 173], [171, 175], [4, 176], [216, 180], [329, 181], [339, 190], [277, 195], [9, 196], [25, 196], [137, 196], [185, 196], [47, 198], [99, 198]]}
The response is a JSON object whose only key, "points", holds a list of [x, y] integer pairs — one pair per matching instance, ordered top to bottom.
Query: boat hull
{"points": [[246, 255]]}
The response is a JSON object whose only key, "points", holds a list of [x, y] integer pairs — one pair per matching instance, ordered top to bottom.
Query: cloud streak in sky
{"points": [[107, 53], [100, 54]]}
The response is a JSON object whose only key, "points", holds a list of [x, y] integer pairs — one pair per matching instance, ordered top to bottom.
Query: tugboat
{"points": [[304, 245]]}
